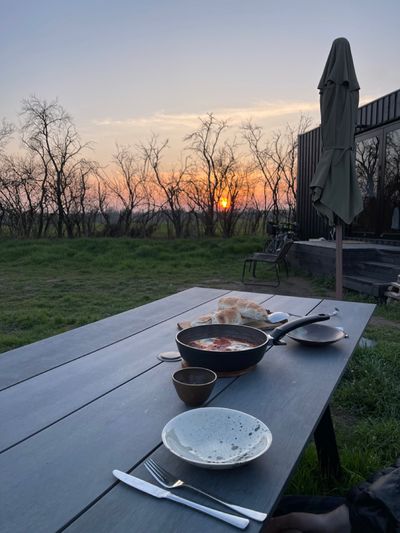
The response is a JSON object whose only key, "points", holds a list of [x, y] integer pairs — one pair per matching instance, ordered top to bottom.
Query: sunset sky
{"points": [[128, 68]]}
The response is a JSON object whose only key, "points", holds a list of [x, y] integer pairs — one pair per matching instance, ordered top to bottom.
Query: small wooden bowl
{"points": [[194, 384]]}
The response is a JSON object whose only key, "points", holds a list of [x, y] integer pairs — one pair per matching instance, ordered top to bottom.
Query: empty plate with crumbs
{"points": [[216, 437]]}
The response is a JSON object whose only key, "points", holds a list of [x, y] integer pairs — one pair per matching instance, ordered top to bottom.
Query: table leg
{"points": [[325, 442]]}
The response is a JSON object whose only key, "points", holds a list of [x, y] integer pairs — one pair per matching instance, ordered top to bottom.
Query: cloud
{"points": [[366, 99], [260, 111], [235, 115]]}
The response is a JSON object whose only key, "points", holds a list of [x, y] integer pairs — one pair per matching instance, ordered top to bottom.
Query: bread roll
{"points": [[229, 301], [247, 308], [231, 310], [253, 311], [227, 316], [202, 320]]}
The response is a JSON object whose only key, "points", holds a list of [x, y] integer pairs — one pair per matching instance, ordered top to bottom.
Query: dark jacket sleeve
{"points": [[374, 506]]}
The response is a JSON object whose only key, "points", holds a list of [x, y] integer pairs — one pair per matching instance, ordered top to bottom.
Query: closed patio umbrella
{"points": [[335, 191]]}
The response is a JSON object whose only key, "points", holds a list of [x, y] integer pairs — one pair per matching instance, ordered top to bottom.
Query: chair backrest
{"points": [[284, 250]]}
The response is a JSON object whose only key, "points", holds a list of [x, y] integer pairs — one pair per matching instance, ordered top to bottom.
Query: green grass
{"points": [[50, 286], [365, 407], [366, 410]]}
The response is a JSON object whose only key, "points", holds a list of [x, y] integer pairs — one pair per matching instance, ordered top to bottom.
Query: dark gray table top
{"points": [[78, 405]]}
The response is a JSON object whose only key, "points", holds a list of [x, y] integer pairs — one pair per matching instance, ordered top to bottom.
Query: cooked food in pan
{"points": [[221, 344]]}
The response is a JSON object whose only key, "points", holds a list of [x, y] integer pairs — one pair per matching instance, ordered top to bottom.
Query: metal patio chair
{"points": [[272, 259]]}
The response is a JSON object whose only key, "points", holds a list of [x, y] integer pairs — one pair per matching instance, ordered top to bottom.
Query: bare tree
{"points": [[6, 131], [49, 133], [284, 147], [260, 151], [215, 160], [276, 163], [127, 185], [169, 185], [19, 193], [208, 193], [235, 197], [78, 199], [103, 201], [89, 207], [147, 217]]}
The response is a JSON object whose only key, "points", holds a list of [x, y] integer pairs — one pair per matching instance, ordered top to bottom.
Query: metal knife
{"points": [[149, 488]]}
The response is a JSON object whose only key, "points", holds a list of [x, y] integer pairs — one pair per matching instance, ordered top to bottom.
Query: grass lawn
{"points": [[47, 287]]}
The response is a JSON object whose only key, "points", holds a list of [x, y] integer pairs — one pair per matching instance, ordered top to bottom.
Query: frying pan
{"points": [[317, 335], [221, 361]]}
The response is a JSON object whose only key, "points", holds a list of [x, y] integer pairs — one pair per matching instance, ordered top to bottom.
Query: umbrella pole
{"points": [[339, 261]]}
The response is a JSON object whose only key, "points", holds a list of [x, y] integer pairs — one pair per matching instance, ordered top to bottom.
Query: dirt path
{"points": [[292, 286], [381, 321]]}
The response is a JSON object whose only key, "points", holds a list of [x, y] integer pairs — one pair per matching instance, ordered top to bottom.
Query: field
{"points": [[47, 287]]}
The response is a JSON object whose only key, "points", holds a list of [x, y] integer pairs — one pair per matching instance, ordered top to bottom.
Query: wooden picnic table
{"points": [[78, 405]]}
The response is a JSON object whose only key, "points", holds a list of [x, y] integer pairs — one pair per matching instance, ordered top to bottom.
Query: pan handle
{"points": [[281, 331]]}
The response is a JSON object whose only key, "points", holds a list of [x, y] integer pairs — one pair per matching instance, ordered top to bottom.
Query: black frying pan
{"points": [[317, 335], [221, 361]]}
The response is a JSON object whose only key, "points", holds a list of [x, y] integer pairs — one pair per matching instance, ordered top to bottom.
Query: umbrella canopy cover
{"points": [[335, 190]]}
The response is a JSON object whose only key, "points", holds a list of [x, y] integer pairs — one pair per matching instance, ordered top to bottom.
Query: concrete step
{"points": [[389, 256], [376, 269], [365, 285]]}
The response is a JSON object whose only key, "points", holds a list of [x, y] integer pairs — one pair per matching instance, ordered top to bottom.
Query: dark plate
{"points": [[316, 334]]}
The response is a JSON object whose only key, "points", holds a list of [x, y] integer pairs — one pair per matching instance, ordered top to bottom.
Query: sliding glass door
{"points": [[368, 162], [378, 174], [390, 213]]}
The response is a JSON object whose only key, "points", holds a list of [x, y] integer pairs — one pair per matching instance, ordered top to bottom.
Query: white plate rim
{"points": [[221, 464]]}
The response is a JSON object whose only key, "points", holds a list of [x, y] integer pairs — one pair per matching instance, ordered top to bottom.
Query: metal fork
{"points": [[170, 481]]}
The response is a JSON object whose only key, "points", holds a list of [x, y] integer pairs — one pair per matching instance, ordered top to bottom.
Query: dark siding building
{"points": [[378, 171]]}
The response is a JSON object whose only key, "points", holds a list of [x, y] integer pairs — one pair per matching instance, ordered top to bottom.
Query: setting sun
{"points": [[224, 203]]}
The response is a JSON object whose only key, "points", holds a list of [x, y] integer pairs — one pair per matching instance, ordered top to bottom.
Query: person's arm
{"points": [[336, 521]]}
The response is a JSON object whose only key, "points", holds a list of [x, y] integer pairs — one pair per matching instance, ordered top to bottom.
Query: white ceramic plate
{"points": [[215, 437]]}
